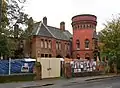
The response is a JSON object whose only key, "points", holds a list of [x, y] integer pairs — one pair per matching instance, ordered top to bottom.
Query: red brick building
{"points": [[84, 40], [50, 41]]}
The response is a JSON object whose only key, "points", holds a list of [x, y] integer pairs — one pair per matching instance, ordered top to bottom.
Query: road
{"points": [[113, 82], [104, 83]]}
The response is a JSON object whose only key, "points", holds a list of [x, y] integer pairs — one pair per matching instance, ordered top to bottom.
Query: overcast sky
{"points": [[63, 10]]}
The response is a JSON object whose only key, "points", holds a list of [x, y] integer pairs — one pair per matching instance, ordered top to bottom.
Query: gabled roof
{"points": [[41, 29]]}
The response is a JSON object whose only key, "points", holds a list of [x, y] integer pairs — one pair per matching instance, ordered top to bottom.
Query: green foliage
{"points": [[11, 12], [28, 31], [110, 37], [37, 64], [107, 69], [17, 78]]}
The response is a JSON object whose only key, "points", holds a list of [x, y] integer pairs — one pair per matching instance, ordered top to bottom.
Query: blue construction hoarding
{"points": [[16, 66]]}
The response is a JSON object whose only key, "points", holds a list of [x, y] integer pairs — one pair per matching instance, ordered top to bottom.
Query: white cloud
{"points": [[63, 10]]}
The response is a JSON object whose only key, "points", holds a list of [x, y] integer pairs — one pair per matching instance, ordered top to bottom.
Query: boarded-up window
{"points": [[42, 43], [45, 43], [49, 44], [57, 45]]}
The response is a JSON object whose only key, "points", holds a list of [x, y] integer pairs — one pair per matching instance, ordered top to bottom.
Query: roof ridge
{"points": [[38, 29], [48, 30]]}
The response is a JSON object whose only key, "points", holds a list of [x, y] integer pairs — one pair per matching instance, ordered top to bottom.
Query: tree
{"points": [[11, 13], [3, 29], [27, 36], [110, 37]]}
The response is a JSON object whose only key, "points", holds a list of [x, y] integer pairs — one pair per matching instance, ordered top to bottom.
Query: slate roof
{"points": [[42, 30]]}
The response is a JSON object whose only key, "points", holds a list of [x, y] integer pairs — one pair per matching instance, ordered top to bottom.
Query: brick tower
{"points": [[84, 31]]}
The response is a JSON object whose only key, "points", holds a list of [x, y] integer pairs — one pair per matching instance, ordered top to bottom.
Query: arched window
{"points": [[88, 25], [78, 26], [82, 26], [85, 26], [73, 27], [42, 43], [46, 43], [50, 44], [77, 44], [87, 44], [57, 47]]}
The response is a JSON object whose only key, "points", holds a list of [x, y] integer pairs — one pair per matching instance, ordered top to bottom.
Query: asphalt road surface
{"points": [[104, 83]]}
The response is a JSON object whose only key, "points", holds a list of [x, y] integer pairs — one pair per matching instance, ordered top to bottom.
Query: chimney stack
{"points": [[45, 20], [62, 26]]}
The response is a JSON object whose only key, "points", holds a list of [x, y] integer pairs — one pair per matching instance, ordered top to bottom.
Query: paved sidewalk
{"points": [[63, 81]]}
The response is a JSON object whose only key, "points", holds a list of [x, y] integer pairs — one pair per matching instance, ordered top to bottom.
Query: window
{"points": [[88, 25], [79, 26], [84, 26], [74, 27], [42, 43], [45, 43], [49, 44], [77, 44], [87, 44], [65, 46], [59, 47], [68, 47], [42, 55], [46, 55], [50, 55]]}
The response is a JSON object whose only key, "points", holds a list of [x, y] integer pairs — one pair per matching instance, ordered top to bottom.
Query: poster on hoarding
{"points": [[25, 67]]}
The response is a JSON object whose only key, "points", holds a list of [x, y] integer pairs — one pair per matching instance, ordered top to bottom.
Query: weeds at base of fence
{"points": [[17, 78]]}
